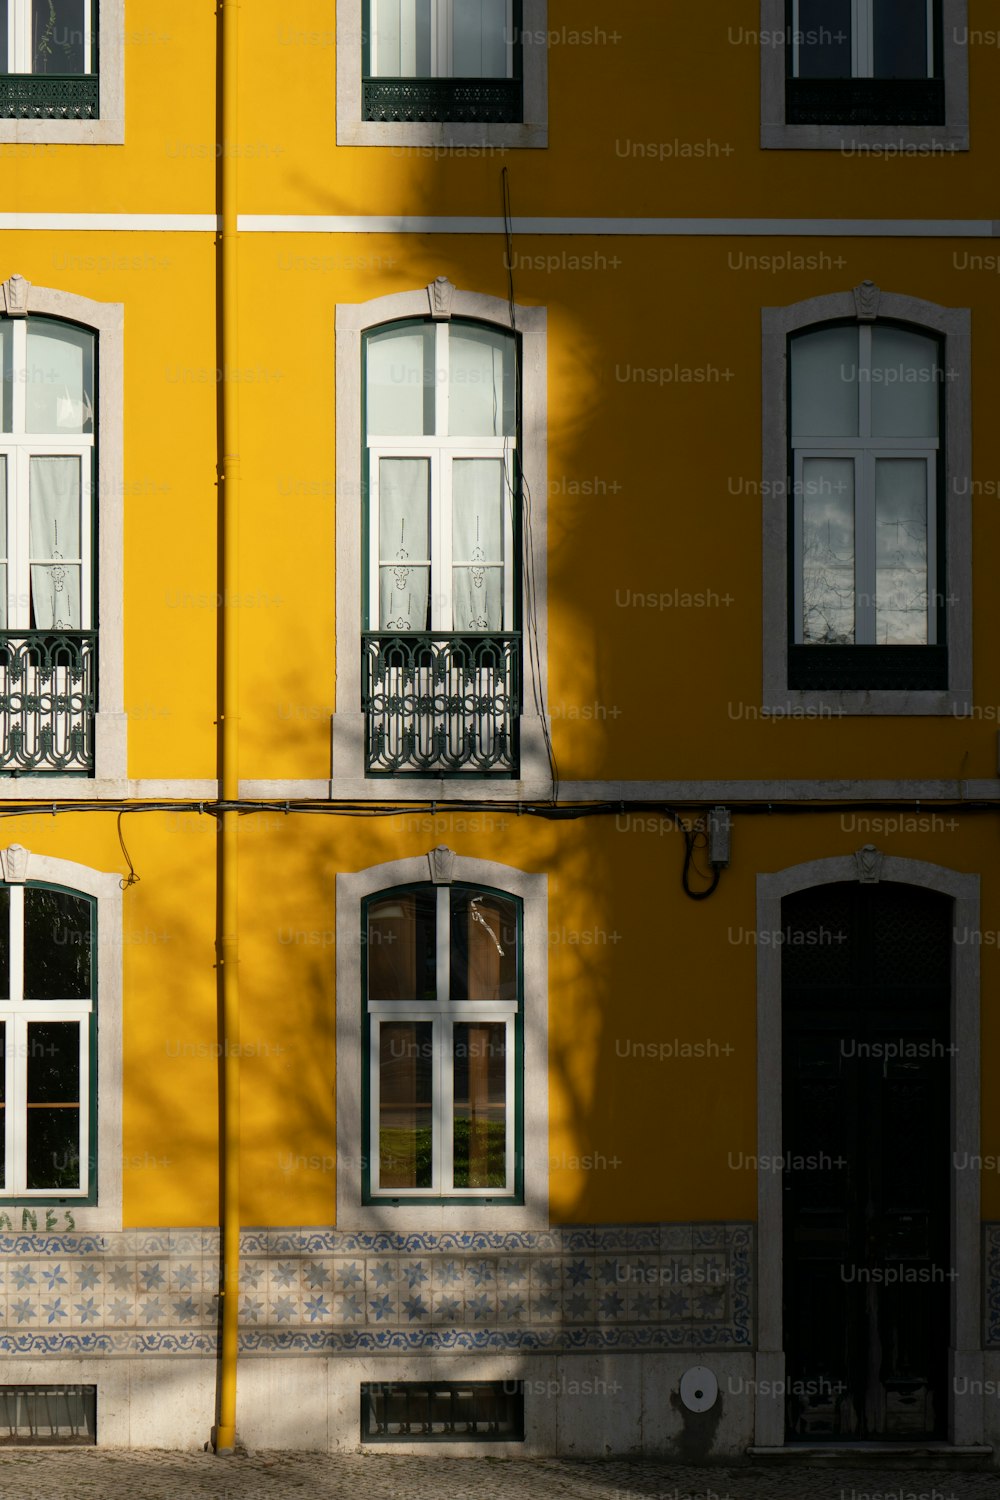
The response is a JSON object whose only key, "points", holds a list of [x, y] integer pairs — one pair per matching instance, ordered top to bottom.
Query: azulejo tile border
{"points": [[313, 1290]]}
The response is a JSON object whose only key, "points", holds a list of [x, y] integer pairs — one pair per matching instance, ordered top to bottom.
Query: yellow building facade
{"points": [[472, 487]]}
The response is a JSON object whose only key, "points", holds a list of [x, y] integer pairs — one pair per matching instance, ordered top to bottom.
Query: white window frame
{"points": [[19, 13], [442, 36], [863, 38], [109, 129], [531, 132], [776, 134], [21, 299], [440, 299], [864, 304], [17, 449], [865, 449], [19, 866], [443, 1014], [392, 1211]]}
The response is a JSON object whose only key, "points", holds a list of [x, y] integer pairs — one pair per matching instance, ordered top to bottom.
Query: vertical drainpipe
{"points": [[224, 1436]]}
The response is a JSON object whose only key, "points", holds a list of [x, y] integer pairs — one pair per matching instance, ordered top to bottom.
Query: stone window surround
{"points": [[109, 129], [533, 131], [775, 134], [21, 298], [865, 302], [348, 722], [18, 865], [442, 866], [965, 1352]]}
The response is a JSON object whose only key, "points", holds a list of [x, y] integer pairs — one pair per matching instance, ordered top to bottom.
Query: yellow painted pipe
{"points": [[227, 946]]}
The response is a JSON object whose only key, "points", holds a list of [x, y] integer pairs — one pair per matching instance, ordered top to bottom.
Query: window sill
{"points": [[866, 140]]}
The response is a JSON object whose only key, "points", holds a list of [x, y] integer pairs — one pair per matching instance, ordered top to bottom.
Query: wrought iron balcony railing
{"points": [[45, 96], [475, 101], [864, 101], [48, 698], [441, 705]]}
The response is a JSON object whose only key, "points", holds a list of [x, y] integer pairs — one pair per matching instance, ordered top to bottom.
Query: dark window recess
{"points": [[40, 96], [475, 101], [864, 101], [852, 669], [471, 1411], [54, 1415]]}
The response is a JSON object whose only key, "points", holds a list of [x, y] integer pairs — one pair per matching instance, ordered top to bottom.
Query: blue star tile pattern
{"points": [[152, 1277], [610, 1286], [316, 1307], [415, 1307]]}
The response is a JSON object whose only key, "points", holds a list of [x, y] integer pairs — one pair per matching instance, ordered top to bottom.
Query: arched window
{"points": [[47, 482], [866, 513], [441, 542], [444, 1042], [442, 1045]]}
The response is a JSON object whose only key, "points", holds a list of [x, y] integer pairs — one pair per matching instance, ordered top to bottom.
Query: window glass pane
{"points": [[4, 25], [401, 38], [900, 38], [480, 39], [58, 40], [824, 40], [6, 369], [60, 378], [400, 382], [825, 383], [906, 383], [481, 395], [478, 495], [54, 534], [404, 543], [828, 551], [901, 551], [4, 942], [483, 946], [401, 947], [57, 959], [406, 1070], [53, 1104], [480, 1140]]}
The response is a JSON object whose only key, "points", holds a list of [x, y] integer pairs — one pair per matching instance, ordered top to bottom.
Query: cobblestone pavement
{"points": [[84, 1475]]}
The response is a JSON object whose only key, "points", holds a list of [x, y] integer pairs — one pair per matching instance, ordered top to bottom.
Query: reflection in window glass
{"points": [[58, 37], [824, 38], [900, 38], [59, 378], [828, 551], [57, 944], [483, 946], [401, 948], [406, 1077], [53, 1104], [480, 1121]]}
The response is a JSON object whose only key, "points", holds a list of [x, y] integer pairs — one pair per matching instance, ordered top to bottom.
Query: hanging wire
{"points": [[528, 563], [131, 878]]}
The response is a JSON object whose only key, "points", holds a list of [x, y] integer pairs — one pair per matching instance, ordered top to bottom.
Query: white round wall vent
{"points": [[699, 1388]]}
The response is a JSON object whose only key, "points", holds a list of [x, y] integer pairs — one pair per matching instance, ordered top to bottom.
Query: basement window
{"points": [[469, 1411], [48, 1415]]}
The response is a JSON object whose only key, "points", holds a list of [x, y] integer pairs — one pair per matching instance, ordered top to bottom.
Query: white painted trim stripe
{"points": [[183, 223], [409, 224], [982, 229]]}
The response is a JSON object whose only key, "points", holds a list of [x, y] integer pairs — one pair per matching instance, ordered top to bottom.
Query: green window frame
{"points": [[443, 1051], [48, 1078]]}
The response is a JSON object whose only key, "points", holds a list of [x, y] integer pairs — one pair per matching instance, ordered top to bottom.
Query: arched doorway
{"points": [[866, 1006]]}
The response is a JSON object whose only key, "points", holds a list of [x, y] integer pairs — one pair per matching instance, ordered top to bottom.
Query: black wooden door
{"points": [[865, 1151]]}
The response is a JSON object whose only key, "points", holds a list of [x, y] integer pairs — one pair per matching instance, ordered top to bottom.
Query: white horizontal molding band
{"points": [[183, 223], [411, 224], [431, 224], [388, 792]]}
